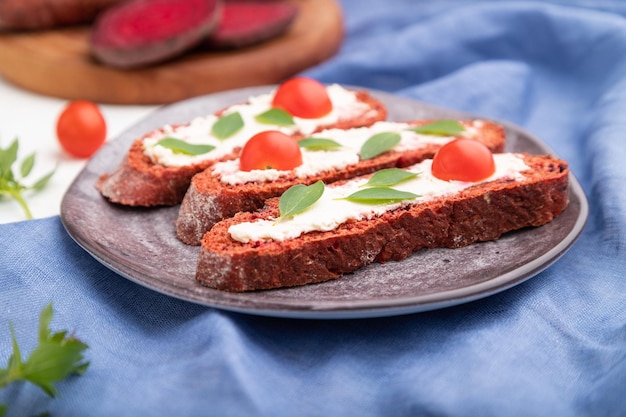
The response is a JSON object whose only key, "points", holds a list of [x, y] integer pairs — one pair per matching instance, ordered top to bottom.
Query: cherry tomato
{"points": [[303, 97], [81, 128], [270, 150], [463, 160]]}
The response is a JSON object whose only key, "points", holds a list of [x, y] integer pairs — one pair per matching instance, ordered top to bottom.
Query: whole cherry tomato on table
{"points": [[303, 97], [81, 128], [270, 150], [463, 160]]}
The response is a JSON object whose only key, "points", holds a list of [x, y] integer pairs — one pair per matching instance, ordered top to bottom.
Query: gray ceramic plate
{"points": [[140, 244]]}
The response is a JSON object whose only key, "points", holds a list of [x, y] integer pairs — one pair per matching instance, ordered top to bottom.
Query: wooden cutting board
{"points": [[58, 63]]}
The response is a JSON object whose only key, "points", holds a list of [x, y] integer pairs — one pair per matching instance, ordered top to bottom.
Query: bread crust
{"points": [[139, 182], [208, 200], [479, 213]]}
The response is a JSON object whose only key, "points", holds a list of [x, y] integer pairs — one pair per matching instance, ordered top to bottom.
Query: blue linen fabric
{"points": [[552, 346]]}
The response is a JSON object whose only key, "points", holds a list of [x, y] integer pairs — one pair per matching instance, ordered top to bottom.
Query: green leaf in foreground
{"points": [[275, 116], [226, 126], [444, 127], [319, 144], [378, 144], [186, 148], [7, 157], [27, 165], [388, 177], [41, 182], [11, 184], [380, 195], [299, 198], [56, 357]]}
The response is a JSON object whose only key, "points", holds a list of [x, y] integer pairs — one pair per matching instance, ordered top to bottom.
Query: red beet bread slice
{"points": [[250, 22], [143, 32], [139, 181], [209, 200], [479, 213]]}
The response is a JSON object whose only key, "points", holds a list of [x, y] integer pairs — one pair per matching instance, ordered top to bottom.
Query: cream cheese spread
{"points": [[198, 131], [351, 140], [331, 209]]}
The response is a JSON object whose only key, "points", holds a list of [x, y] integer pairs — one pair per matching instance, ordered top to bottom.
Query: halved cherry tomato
{"points": [[303, 97], [81, 128], [270, 150], [463, 160]]}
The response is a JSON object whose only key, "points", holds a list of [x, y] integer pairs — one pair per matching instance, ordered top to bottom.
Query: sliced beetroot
{"points": [[248, 22], [142, 32]]}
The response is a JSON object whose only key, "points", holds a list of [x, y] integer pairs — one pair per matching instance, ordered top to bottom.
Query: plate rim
{"points": [[364, 308]]}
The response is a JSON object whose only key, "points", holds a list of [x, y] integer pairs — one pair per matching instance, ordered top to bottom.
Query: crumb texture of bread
{"points": [[208, 200], [480, 213]]}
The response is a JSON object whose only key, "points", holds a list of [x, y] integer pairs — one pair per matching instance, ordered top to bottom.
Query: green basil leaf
{"points": [[275, 116], [228, 125], [444, 127], [318, 144], [378, 144], [180, 146], [7, 157], [27, 165], [388, 177], [43, 181], [9, 184], [380, 195], [299, 198], [56, 356], [15, 360], [53, 360]]}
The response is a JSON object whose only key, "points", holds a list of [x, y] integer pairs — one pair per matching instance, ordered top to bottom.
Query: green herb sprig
{"points": [[275, 116], [226, 126], [443, 127], [319, 144], [378, 144], [185, 148], [388, 177], [10, 181], [379, 189], [380, 195], [299, 198], [57, 356]]}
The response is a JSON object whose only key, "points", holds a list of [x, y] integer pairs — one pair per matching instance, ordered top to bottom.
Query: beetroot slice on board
{"points": [[248, 22], [143, 32]]}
